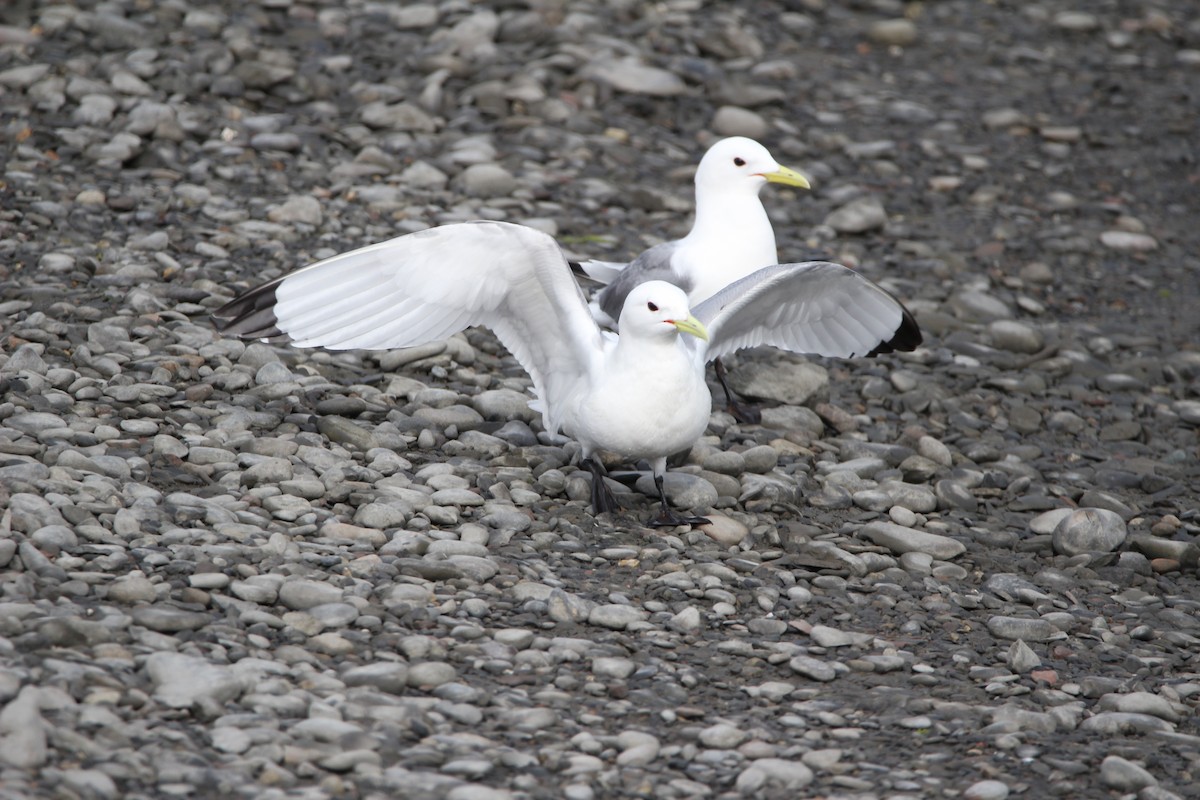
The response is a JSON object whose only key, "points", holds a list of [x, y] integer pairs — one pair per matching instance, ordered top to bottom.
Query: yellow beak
{"points": [[788, 177], [691, 325]]}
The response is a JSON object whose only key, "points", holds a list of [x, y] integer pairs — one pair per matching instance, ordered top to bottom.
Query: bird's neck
{"points": [[665, 352]]}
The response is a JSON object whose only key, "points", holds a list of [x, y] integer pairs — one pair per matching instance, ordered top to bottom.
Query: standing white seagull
{"points": [[730, 238], [640, 394]]}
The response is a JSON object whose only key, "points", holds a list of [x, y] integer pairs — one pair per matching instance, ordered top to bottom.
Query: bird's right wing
{"points": [[429, 285], [816, 307]]}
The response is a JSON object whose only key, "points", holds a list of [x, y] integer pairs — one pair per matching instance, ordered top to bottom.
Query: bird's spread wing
{"points": [[652, 265], [429, 285], [817, 307]]}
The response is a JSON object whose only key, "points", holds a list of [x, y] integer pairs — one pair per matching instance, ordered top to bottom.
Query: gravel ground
{"points": [[245, 571]]}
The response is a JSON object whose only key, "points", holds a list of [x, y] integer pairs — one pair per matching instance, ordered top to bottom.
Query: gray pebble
{"points": [[894, 32], [734, 121], [858, 216], [1014, 336], [791, 382], [683, 490], [1089, 530], [905, 540], [301, 595], [615, 616], [1031, 630], [812, 668], [722, 736], [1125, 775], [987, 790]]}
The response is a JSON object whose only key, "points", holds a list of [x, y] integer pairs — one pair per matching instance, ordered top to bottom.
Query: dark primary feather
{"points": [[251, 315], [907, 338]]}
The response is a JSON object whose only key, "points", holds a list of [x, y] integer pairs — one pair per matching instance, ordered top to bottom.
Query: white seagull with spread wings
{"points": [[639, 394]]}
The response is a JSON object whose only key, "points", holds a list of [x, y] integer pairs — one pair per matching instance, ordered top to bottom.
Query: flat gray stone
{"points": [[900, 540]]}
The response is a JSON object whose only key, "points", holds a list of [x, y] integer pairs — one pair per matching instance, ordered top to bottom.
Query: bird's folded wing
{"points": [[652, 265], [429, 285], [816, 307]]}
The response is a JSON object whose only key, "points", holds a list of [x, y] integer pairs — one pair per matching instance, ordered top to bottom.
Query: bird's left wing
{"points": [[429, 285], [816, 307]]}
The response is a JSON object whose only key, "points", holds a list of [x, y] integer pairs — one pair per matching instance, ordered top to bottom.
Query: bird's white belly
{"points": [[647, 416]]}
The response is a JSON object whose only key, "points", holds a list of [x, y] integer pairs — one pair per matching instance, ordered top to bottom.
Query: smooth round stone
{"points": [[1076, 21], [893, 32], [630, 75], [735, 121], [487, 180], [858, 216], [1128, 241], [979, 306], [1016, 337], [273, 372], [934, 450], [760, 459], [726, 462], [683, 490], [952, 494], [916, 497], [873, 500], [1047, 521], [724, 530], [1089, 530], [902, 540], [209, 580], [132, 589], [301, 595], [334, 615], [615, 616], [168, 620], [686, 620], [1028, 629], [825, 636], [613, 668], [813, 668], [431, 674], [390, 676], [1140, 703], [1112, 723], [722, 736], [769, 773], [1125, 775], [986, 790]]}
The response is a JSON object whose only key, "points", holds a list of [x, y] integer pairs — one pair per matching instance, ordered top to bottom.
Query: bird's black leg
{"points": [[741, 411], [602, 498], [667, 518]]}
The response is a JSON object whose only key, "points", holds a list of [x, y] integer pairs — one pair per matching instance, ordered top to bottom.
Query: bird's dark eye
{"points": [[739, 162], [651, 306]]}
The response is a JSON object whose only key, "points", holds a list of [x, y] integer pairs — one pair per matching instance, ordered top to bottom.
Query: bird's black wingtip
{"points": [[250, 315], [906, 338]]}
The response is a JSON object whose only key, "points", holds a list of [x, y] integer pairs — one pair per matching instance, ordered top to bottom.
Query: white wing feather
{"points": [[427, 286], [816, 307]]}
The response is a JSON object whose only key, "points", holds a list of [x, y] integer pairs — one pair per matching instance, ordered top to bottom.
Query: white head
{"points": [[741, 164], [657, 309]]}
